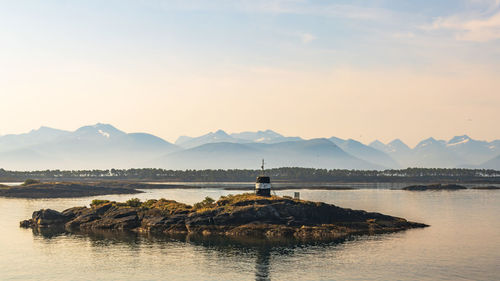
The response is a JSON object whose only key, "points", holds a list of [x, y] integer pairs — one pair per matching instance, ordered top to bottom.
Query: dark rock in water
{"points": [[434, 187], [491, 187], [64, 190], [102, 209], [73, 212], [234, 216], [48, 217], [85, 217], [26, 223]]}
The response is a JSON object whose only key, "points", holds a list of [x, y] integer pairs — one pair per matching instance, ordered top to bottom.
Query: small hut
{"points": [[263, 184]]}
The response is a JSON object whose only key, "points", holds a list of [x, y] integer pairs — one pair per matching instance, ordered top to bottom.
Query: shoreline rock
{"points": [[434, 187], [491, 187], [63, 190], [244, 215]]}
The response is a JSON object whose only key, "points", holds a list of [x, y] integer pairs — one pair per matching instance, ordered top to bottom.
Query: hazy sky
{"points": [[367, 70]]}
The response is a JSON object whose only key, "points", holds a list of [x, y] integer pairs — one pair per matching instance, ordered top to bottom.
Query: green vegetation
{"points": [[278, 174], [30, 181], [236, 199], [97, 202], [134, 202], [207, 203], [166, 207]]}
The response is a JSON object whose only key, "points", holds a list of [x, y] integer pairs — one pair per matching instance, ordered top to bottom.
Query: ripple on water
{"points": [[463, 243]]}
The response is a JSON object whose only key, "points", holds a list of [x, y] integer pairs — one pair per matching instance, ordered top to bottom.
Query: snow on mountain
{"points": [[458, 140], [104, 146], [89, 147], [473, 151], [433, 153]]}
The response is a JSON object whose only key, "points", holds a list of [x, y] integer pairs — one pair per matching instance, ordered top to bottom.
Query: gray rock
{"points": [[47, 217]]}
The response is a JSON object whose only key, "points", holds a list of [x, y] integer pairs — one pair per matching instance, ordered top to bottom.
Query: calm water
{"points": [[463, 243]]}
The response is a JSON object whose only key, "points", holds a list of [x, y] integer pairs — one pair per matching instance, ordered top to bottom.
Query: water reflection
{"points": [[462, 244], [261, 249], [262, 264]]}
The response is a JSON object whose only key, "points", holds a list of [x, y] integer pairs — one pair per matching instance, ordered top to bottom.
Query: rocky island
{"points": [[434, 187], [489, 187], [35, 189], [243, 215]]}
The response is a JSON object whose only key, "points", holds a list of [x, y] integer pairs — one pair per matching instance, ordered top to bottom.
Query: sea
{"points": [[462, 242]]}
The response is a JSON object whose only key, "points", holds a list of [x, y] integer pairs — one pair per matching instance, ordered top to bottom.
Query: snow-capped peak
{"points": [[105, 134], [458, 140], [457, 143]]}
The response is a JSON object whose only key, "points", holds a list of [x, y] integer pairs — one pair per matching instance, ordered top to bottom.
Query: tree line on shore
{"points": [[291, 174]]}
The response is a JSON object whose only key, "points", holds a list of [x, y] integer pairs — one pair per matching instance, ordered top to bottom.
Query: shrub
{"points": [[30, 181], [97, 202], [134, 202], [149, 204], [205, 204], [171, 207]]}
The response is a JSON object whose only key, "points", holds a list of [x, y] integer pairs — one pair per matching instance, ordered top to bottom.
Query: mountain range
{"points": [[102, 146]]}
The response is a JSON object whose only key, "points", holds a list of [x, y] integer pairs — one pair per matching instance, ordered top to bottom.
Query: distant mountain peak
{"points": [[104, 126], [44, 128], [100, 130], [220, 133], [266, 136], [459, 140], [337, 141], [396, 141], [376, 142], [427, 142], [397, 145]]}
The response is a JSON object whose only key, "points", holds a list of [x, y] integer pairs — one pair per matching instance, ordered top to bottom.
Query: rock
{"points": [[434, 187], [491, 187], [65, 190], [103, 208], [73, 212], [85, 216], [48, 217], [112, 218], [26, 223]]}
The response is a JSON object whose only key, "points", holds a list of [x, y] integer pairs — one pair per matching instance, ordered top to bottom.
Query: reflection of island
{"points": [[244, 215], [261, 251]]}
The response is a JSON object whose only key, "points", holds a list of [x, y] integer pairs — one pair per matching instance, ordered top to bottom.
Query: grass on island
{"points": [[30, 182], [227, 202], [163, 205]]}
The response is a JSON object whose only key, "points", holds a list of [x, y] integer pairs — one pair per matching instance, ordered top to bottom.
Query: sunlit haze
{"points": [[353, 69]]}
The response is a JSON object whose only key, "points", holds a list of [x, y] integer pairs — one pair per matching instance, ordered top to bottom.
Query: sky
{"points": [[370, 69]]}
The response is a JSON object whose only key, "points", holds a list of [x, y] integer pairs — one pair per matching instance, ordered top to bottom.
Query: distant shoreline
{"points": [[279, 176], [87, 189]]}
